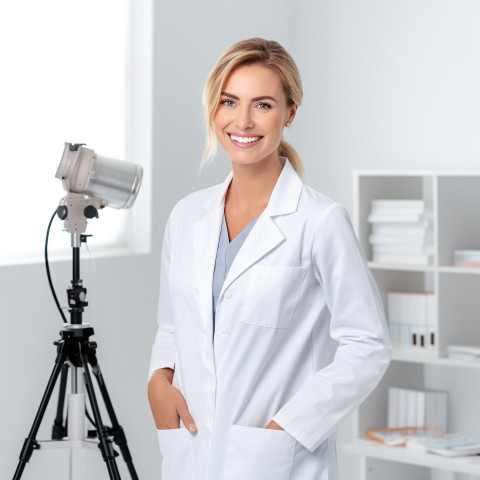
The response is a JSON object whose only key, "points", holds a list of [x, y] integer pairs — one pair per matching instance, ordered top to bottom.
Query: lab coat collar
{"points": [[286, 194], [218, 200], [283, 200]]}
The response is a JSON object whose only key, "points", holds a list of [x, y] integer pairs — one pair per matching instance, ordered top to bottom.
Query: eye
{"points": [[227, 102], [264, 106]]}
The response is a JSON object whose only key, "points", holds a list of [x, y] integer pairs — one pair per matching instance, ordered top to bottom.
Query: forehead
{"points": [[254, 80]]}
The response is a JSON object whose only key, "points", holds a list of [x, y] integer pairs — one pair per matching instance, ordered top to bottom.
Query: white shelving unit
{"points": [[455, 200]]}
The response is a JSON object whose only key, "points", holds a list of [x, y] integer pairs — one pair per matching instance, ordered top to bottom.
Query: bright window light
{"points": [[64, 79]]}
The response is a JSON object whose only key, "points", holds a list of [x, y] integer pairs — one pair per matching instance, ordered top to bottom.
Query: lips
{"points": [[245, 140]]}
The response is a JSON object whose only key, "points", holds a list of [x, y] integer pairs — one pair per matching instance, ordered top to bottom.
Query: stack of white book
{"points": [[401, 232], [466, 258], [411, 319], [469, 353], [410, 407], [452, 445]]}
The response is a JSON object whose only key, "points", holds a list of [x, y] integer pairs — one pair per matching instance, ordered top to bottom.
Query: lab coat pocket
{"points": [[272, 295], [258, 453], [176, 454]]}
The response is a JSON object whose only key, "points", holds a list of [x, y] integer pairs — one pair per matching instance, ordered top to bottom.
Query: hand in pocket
{"points": [[167, 402], [274, 426]]}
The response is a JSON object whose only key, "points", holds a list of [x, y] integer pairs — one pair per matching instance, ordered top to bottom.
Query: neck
{"points": [[252, 185]]}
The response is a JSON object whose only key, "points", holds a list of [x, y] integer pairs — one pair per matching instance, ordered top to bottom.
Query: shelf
{"points": [[415, 173], [454, 198], [401, 267], [424, 268], [462, 270], [404, 355], [429, 358], [469, 465]]}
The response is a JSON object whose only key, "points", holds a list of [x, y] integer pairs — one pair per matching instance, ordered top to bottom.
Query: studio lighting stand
{"points": [[75, 350]]}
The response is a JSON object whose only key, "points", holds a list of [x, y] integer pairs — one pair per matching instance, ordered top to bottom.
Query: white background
{"points": [[388, 85]]}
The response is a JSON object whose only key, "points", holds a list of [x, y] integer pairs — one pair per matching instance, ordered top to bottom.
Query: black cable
{"points": [[48, 269]]}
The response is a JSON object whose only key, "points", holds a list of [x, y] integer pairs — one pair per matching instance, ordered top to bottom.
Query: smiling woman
{"points": [[270, 326]]}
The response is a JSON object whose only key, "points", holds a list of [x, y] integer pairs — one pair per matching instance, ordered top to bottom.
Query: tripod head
{"points": [[75, 210]]}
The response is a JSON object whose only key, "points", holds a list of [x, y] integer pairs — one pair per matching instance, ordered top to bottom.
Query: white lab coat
{"points": [[300, 337]]}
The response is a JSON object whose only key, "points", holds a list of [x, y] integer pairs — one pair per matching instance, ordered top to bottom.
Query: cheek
{"points": [[220, 121], [275, 121], [219, 124], [217, 127], [276, 128]]}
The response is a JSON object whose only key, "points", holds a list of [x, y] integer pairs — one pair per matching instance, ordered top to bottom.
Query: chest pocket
{"points": [[272, 295]]}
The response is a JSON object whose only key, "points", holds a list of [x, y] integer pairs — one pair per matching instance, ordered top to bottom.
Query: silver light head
{"points": [[114, 182]]}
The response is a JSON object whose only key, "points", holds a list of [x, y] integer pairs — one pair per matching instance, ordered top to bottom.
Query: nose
{"points": [[244, 118]]}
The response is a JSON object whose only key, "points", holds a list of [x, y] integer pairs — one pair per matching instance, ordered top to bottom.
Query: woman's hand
{"points": [[167, 402], [274, 426]]}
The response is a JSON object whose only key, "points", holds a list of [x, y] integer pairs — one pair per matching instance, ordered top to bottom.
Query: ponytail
{"points": [[286, 150]]}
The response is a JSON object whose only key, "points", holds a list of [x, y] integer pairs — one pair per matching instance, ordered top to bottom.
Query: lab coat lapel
{"points": [[206, 233], [265, 235]]}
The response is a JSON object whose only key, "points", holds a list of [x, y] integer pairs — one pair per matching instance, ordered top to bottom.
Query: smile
{"points": [[244, 140]]}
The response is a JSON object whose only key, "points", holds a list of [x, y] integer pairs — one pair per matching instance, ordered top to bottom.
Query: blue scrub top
{"points": [[226, 253]]}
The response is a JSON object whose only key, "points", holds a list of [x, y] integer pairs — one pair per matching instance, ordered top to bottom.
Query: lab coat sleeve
{"points": [[357, 324], [163, 351]]}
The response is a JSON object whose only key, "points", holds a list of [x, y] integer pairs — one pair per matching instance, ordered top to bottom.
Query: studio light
{"points": [[92, 182], [115, 182]]}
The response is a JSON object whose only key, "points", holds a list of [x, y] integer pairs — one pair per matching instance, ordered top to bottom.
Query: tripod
{"points": [[76, 348]]}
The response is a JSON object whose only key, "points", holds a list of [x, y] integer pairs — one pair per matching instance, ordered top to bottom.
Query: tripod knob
{"points": [[62, 212], [90, 212], [77, 296]]}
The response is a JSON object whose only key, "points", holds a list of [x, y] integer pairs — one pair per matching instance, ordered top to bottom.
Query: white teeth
{"points": [[245, 139]]}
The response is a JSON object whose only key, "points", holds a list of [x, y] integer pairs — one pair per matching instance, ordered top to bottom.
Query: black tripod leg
{"points": [[59, 430], [117, 430], [31, 443], [106, 443]]}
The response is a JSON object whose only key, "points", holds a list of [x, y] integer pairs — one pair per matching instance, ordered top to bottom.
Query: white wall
{"points": [[388, 84]]}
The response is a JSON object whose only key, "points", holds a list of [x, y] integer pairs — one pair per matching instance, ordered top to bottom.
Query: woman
{"points": [[271, 330]]}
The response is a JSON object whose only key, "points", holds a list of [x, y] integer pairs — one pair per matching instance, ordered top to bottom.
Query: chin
{"points": [[246, 161]]}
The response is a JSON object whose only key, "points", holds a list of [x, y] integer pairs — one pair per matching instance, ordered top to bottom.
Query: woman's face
{"points": [[251, 114]]}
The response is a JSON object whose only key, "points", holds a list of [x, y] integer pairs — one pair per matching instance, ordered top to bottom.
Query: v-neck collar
{"points": [[240, 237]]}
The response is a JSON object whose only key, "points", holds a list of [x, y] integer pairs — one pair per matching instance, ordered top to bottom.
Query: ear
{"points": [[292, 113]]}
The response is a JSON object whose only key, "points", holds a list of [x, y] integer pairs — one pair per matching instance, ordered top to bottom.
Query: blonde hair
{"points": [[253, 50]]}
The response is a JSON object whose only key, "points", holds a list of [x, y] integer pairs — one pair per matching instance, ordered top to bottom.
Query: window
{"points": [[67, 76]]}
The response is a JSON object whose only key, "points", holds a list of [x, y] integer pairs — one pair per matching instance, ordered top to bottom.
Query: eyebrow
{"points": [[255, 99]]}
